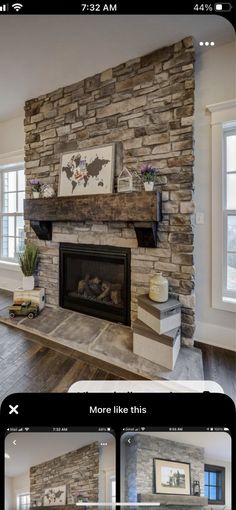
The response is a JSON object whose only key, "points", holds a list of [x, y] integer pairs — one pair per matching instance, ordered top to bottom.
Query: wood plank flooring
{"points": [[27, 365], [219, 365]]}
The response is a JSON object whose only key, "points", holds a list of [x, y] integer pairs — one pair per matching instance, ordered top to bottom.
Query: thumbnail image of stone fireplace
{"points": [[59, 470], [183, 470]]}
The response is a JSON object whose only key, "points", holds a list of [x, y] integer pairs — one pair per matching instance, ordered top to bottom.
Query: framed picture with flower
{"points": [[88, 171]]}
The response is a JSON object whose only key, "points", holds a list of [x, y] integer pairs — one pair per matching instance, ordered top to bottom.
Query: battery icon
{"points": [[223, 7]]}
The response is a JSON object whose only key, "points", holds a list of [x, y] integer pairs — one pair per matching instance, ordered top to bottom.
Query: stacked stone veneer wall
{"points": [[146, 106], [78, 470], [139, 471]]}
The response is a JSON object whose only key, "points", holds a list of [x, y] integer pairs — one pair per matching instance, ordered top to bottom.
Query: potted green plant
{"points": [[148, 174], [28, 262]]}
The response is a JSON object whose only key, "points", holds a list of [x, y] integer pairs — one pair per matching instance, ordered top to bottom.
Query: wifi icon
{"points": [[17, 7]]}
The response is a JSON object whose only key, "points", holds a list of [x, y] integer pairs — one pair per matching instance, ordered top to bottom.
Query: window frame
{"points": [[221, 114], [227, 129], [9, 162], [210, 468], [18, 498]]}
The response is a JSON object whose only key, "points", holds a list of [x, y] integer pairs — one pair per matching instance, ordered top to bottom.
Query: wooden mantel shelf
{"points": [[141, 208], [173, 500]]}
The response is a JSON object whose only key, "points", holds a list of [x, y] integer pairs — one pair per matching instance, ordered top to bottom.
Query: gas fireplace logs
{"points": [[97, 289]]}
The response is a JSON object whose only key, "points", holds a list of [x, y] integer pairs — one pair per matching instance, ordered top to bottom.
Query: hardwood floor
{"points": [[26, 365], [219, 365]]}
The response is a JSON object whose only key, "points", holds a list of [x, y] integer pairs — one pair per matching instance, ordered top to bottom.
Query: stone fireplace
{"points": [[145, 106], [140, 459], [78, 470]]}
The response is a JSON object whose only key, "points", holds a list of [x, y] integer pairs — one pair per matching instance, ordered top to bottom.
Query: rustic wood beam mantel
{"points": [[141, 208], [174, 500]]}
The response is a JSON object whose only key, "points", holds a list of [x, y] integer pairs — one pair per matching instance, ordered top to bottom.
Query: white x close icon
{"points": [[13, 409]]}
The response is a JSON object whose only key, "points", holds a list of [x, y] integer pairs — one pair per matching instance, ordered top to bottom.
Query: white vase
{"points": [[148, 186], [36, 194], [28, 283], [158, 290]]}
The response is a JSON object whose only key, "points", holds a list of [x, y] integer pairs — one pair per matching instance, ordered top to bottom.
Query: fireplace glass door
{"points": [[95, 280]]}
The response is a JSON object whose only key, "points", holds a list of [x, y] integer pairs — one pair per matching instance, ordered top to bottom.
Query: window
{"points": [[223, 163], [12, 193], [229, 209], [214, 484], [112, 490], [23, 501]]}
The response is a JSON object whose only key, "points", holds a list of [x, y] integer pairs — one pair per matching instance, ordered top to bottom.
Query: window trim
{"points": [[220, 113], [228, 128], [10, 158], [218, 469], [19, 494]]}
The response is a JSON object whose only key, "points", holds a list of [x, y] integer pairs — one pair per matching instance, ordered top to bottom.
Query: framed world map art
{"points": [[87, 172], [55, 496]]}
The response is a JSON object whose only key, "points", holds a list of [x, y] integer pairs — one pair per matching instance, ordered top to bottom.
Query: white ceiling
{"points": [[41, 53], [217, 445], [32, 448]]}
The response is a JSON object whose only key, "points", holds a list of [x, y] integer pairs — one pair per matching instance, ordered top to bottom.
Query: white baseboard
{"points": [[218, 336]]}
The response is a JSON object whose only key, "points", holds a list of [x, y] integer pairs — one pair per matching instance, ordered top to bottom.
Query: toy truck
{"points": [[25, 308]]}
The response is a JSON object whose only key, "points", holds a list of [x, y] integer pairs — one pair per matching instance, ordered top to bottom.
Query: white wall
{"points": [[215, 82], [12, 134], [11, 140], [13, 487], [228, 487], [8, 493]]}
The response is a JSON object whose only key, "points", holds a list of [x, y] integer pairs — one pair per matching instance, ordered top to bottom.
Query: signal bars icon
{"points": [[4, 8]]}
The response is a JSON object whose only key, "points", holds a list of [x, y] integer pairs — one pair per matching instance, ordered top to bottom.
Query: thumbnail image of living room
{"points": [[117, 238], [177, 469], [58, 470]]}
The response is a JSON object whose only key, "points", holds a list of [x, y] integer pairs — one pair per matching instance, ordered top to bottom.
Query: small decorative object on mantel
{"points": [[148, 174], [128, 181], [36, 187], [47, 191], [28, 261], [158, 289], [196, 488]]}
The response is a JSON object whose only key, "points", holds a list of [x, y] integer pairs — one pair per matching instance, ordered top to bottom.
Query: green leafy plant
{"points": [[28, 259]]}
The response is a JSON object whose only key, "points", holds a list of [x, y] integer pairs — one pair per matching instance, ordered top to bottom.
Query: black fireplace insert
{"points": [[95, 280]]}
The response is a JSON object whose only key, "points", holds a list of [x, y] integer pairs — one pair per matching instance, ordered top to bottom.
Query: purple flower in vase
{"points": [[148, 173], [35, 185]]}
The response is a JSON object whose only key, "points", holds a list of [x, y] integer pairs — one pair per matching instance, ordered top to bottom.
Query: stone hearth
{"points": [[145, 106], [80, 335]]}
